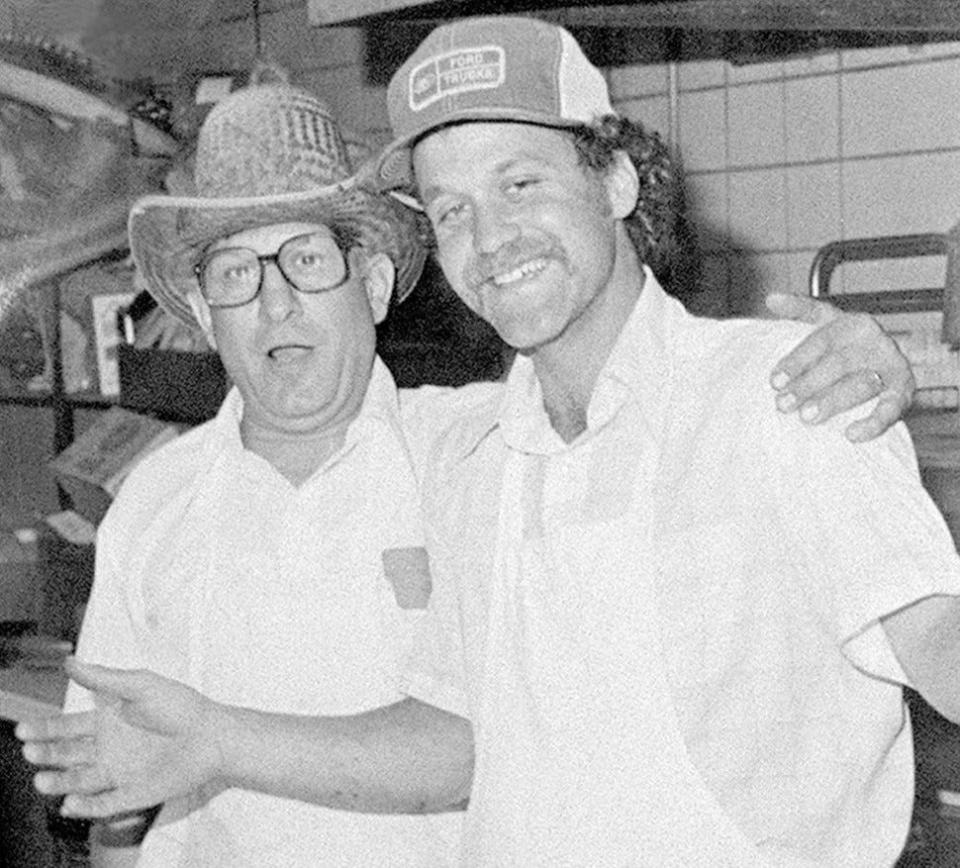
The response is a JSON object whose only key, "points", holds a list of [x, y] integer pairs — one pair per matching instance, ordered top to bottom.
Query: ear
{"points": [[623, 185], [379, 275], [201, 313]]}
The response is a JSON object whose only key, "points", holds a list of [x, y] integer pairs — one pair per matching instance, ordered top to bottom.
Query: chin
{"points": [[526, 321], [526, 336]]}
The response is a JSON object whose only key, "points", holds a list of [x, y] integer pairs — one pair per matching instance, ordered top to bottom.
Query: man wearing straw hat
{"points": [[273, 557], [572, 757]]}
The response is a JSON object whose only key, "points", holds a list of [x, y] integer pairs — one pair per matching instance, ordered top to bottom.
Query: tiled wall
{"points": [[781, 158]]}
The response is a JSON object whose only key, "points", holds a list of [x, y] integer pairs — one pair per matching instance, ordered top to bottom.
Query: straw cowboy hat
{"points": [[266, 154]]}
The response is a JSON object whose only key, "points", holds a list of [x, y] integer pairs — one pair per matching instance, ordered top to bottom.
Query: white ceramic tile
{"points": [[271, 5], [227, 10], [934, 49], [861, 57], [812, 64], [754, 72], [697, 74], [627, 82], [901, 108], [812, 109], [652, 112], [755, 122], [703, 129], [899, 196], [706, 201], [813, 205], [758, 210], [711, 235], [798, 271], [776, 272], [925, 272], [752, 277], [712, 299], [900, 323]]}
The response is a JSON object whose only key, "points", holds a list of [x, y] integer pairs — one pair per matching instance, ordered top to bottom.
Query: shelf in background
{"points": [[91, 400]]}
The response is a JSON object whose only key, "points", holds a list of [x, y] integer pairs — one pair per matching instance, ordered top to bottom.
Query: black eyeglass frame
{"points": [[339, 240]]}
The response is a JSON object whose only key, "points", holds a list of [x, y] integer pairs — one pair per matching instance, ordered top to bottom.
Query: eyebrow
{"points": [[501, 168]]}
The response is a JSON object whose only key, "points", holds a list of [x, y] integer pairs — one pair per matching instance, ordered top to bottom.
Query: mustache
{"points": [[485, 266]]}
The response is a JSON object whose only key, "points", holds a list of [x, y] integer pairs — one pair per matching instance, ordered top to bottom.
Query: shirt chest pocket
{"points": [[407, 571], [404, 594]]}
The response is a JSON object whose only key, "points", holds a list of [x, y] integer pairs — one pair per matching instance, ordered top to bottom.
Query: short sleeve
{"points": [[860, 512], [107, 635]]}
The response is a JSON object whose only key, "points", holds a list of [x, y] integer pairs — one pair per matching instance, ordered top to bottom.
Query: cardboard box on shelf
{"points": [[92, 468]]}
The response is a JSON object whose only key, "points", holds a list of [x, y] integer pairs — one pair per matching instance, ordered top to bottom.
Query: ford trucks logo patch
{"points": [[465, 69]]}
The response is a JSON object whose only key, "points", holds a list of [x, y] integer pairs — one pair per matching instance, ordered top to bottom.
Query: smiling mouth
{"points": [[521, 272]]}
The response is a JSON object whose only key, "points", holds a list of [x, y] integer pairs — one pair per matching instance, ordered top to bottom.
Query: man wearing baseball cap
{"points": [[665, 610], [682, 623]]}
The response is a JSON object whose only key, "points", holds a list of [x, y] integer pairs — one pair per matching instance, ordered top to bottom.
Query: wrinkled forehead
{"points": [[270, 237]]}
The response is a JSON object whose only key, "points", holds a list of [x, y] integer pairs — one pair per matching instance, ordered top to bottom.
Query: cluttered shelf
{"points": [[86, 400]]}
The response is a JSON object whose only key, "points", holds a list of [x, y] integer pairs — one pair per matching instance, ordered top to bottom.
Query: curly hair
{"points": [[653, 222]]}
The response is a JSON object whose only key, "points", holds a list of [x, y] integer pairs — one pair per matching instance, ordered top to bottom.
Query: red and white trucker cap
{"points": [[490, 68]]}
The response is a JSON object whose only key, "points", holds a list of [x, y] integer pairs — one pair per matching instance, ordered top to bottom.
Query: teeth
{"points": [[533, 267], [286, 352]]}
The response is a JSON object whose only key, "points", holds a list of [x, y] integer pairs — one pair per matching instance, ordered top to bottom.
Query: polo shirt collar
{"points": [[637, 370]]}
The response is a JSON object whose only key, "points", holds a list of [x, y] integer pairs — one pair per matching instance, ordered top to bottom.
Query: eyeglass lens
{"points": [[311, 263]]}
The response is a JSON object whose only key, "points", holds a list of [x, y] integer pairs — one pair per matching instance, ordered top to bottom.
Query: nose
{"points": [[493, 227], [278, 298]]}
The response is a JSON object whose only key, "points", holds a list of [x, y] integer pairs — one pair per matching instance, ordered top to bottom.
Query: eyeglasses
{"points": [[233, 276]]}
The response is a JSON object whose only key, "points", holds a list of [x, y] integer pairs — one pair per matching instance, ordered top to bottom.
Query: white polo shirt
{"points": [[212, 569], [666, 633]]}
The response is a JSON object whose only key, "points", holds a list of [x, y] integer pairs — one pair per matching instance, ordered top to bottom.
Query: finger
{"points": [[802, 308], [800, 359], [900, 383], [813, 384], [837, 395], [887, 411], [109, 683], [79, 725], [62, 753], [81, 779], [94, 806]]}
